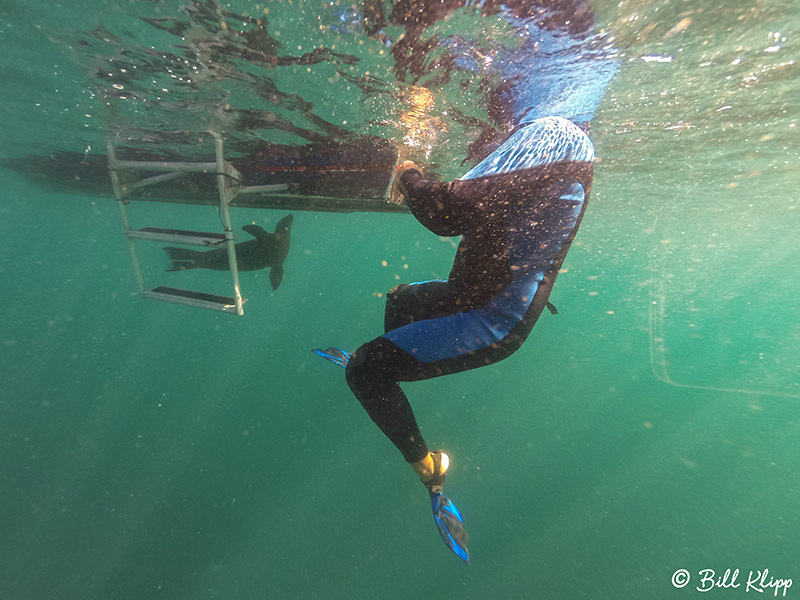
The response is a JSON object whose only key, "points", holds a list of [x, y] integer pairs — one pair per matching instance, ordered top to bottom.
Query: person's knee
{"points": [[395, 292], [395, 299], [372, 369], [357, 370], [366, 381]]}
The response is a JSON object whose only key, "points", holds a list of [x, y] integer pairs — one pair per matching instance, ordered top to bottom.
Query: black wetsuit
{"points": [[516, 227]]}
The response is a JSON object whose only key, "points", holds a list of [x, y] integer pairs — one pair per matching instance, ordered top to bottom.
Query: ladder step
{"points": [[148, 165], [178, 236], [191, 298]]}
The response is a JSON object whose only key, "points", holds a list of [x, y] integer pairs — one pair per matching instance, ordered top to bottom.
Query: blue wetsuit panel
{"points": [[464, 332]]}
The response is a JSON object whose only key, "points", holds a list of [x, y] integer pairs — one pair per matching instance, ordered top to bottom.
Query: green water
{"points": [[155, 451]]}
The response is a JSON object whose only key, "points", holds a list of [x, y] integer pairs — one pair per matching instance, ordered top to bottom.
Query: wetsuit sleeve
{"points": [[443, 208]]}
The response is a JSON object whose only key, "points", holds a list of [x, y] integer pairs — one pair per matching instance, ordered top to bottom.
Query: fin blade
{"points": [[256, 231], [180, 253], [181, 258], [180, 265], [276, 276], [336, 355], [450, 523]]}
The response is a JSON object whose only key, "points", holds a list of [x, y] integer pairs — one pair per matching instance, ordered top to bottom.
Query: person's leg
{"points": [[376, 369], [373, 374]]}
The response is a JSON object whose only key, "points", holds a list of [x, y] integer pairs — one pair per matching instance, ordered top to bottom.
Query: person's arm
{"points": [[438, 206]]}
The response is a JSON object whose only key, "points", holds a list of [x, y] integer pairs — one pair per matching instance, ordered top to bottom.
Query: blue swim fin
{"points": [[336, 355], [449, 520], [450, 523]]}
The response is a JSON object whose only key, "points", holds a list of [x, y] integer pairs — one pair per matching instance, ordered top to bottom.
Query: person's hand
{"points": [[405, 166], [399, 193]]}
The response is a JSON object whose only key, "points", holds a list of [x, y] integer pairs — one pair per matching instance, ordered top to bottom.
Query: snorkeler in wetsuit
{"points": [[517, 212]]}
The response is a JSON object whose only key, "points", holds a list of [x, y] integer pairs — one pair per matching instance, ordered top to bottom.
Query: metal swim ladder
{"points": [[227, 178]]}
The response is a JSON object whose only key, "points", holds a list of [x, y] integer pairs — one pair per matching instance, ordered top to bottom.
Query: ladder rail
{"points": [[225, 197], [122, 200]]}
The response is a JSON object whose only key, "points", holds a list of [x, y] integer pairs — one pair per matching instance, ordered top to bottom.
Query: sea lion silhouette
{"points": [[266, 250]]}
